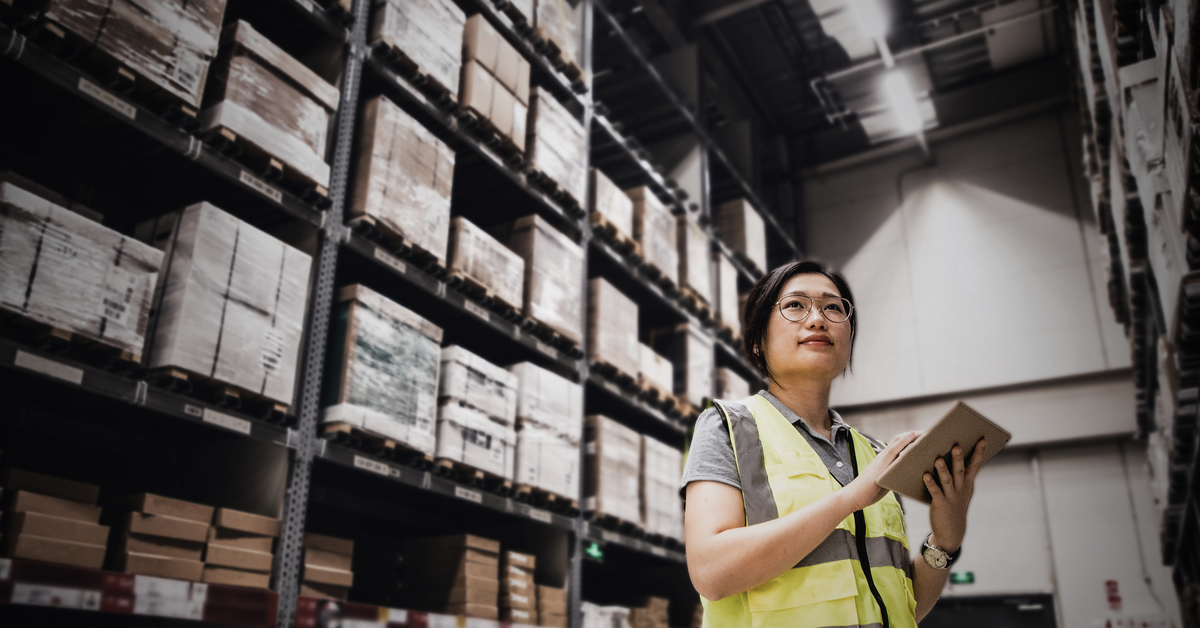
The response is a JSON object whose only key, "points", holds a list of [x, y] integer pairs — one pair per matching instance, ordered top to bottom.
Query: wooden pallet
{"points": [[520, 21], [554, 50], [392, 56], [490, 135], [269, 167], [555, 191], [609, 232], [399, 244], [746, 261], [481, 292], [694, 303], [725, 330], [553, 336], [65, 342], [614, 373], [223, 394], [656, 395], [686, 410], [382, 446], [478, 478], [553, 502], [616, 524]]}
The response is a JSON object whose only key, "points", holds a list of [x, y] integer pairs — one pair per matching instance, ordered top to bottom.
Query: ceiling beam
{"points": [[724, 12]]}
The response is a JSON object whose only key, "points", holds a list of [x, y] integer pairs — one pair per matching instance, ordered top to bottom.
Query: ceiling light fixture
{"points": [[870, 17], [903, 101]]}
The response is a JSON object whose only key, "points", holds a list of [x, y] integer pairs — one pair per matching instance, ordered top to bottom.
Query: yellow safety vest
{"points": [[781, 473]]}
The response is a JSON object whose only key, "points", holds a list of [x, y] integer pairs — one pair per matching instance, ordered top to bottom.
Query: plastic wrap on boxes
{"points": [[562, 21], [428, 32], [169, 43], [272, 101], [557, 144], [403, 177], [611, 202], [742, 228], [654, 229], [484, 259], [553, 266], [694, 267], [63, 270], [727, 295], [231, 301], [612, 327], [692, 353], [382, 369], [655, 369], [479, 383], [731, 386], [549, 400], [468, 436], [548, 460], [613, 471], [662, 471], [596, 616]]}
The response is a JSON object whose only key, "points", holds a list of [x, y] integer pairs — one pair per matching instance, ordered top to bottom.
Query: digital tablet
{"points": [[961, 426]]}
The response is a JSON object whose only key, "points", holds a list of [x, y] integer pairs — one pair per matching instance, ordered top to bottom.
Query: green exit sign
{"points": [[593, 551], [962, 577]]}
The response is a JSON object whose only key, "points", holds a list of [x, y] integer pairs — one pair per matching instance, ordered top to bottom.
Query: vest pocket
{"points": [[798, 480], [893, 519], [804, 586]]}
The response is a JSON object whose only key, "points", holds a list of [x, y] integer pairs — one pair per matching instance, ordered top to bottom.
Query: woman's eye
{"points": [[791, 304], [834, 307]]}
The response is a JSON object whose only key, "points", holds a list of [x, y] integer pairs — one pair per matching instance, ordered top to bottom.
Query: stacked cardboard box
{"points": [[560, 24], [428, 32], [168, 43], [495, 80], [272, 101], [557, 144], [403, 177], [610, 203], [740, 226], [654, 229], [484, 259], [694, 261], [553, 266], [63, 270], [727, 295], [231, 301], [612, 328], [692, 354], [382, 369], [654, 370], [478, 383], [731, 386], [550, 424], [468, 436], [613, 469], [662, 472], [53, 520], [164, 537], [239, 549], [328, 565], [457, 575], [518, 594], [552, 606], [652, 614]]}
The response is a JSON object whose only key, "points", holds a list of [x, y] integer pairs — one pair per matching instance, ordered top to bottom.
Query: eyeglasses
{"points": [[797, 307]]}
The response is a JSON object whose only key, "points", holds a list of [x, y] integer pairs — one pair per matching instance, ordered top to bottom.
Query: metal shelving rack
{"points": [[341, 251]]}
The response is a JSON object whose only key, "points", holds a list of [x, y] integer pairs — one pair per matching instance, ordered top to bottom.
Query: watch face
{"points": [[935, 558]]}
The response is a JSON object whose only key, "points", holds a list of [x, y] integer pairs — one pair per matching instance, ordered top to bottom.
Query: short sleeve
{"points": [[710, 457]]}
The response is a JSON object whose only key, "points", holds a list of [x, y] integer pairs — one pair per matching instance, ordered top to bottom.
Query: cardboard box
{"points": [[562, 22], [428, 32], [481, 42], [477, 89], [557, 144], [403, 176], [611, 202], [740, 226], [655, 230], [484, 259], [694, 265], [553, 268], [727, 311], [215, 318], [612, 327], [691, 351], [655, 369], [479, 384], [732, 386], [394, 398], [550, 400], [468, 436], [548, 459], [612, 469], [21, 480], [658, 487], [24, 501], [158, 505], [231, 519], [164, 526], [51, 527], [240, 540], [328, 544], [455, 544], [161, 546], [35, 547], [222, 556], [510, 558], [329, 560], [160, 566], [324, 575], [236, 577], [518, 585], [324, 591], [471, 596], [551, 597], [517, 600], [478, 611], [519, 616], [554, 620]]}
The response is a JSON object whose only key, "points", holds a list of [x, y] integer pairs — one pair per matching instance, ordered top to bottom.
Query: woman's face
{"points": [[813, 348]]}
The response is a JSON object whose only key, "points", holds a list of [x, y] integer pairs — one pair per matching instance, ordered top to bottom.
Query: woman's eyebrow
{"points": [[824, 294]]}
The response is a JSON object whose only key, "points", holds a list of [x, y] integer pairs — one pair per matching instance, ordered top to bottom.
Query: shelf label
{"points": [[106, 97], [260, 186], [390, 260], [476, 310], [547, 349], [49, 367], [195, 411], [226, 421], [376, 467], [469, 495], [539, 515], [611, 537], [657, 551], [60, 597], [160, 597], [390, 615]]}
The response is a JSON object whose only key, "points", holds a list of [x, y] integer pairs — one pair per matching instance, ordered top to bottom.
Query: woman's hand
{"points": [[863, 491], [948, 513]]}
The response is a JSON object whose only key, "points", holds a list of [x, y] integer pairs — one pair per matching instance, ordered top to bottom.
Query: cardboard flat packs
{"points": [[428, 32], [272, 101], [557, 144], [403, 178], [740, 226], [654, 229], [484, 259], [553, 266], [694, 267], [63, 270], [231, 301], [727, 310], [612, 327], [655, 369], [382, 374], [478, 383], [731, 386], [549, 399], [470, 437], [613, 468], [21, 480], [658, 487], [24, 501], [158, 505], [231, 519], [51, 527], [168, 527], [240, 540], [328, 544], [455, 544], [161, 546], [33, 547], [222, 556], [516, 559], [329, 560], [160, 566], [513, 571], [325, 575], [236, 577], [518, 586], [324, 591], [471, 596], [551, 598], [517, 600], [478, 611], [518, 615], [552, 620]]}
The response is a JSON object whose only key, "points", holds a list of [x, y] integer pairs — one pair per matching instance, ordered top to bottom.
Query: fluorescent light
{"points": [[869, 16], [904, 103]]}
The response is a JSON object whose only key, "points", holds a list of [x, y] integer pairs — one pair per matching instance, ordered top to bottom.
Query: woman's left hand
{"points": [[948, 513]]}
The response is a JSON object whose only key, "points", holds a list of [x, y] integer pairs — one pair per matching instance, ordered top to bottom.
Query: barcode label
{"points": [[106, 97], [261, 186], [390, 260], [476, 310], [547, 349], [49, 367], [226, 421], [371, 465], [469, 495], [539, 515], [61, 597]]}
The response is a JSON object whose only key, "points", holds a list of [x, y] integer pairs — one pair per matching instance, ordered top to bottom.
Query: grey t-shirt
{"points": [[711, 455]]}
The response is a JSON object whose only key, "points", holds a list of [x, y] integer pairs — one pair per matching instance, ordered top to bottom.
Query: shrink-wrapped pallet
{"points": [[560, 23], [427, 32], [169, 43], [271, 101], [557, 144], [403, 178], [612, 203], [741, 227], [654, 229], [484, 260], [694, 260], [553, 271], [73, 274], [727, 295], [231, 301], [612, 328], [691, 352], [382, 369], [655, 370], [478, 383], [731, 386], [549, 399], [468, 436], [547, 460], [613, 470], [662, 471], [596, 616]]}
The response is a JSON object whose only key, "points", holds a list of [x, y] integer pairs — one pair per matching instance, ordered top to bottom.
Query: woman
{"points": [[783, 513]]}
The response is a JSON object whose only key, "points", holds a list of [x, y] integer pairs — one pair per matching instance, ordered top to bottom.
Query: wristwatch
{"points": [[937, 557]]}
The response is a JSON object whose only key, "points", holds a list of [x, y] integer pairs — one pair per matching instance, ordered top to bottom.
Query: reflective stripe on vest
{"points": [[781, 473]]}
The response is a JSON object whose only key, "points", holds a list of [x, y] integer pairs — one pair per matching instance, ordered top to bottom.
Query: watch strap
{"points": [[950, 556]]}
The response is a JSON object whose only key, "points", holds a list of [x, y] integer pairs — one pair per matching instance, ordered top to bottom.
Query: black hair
{"points": [[760, 304]]}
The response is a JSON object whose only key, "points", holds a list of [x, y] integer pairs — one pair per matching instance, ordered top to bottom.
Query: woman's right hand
{"points": [[863, 491]]}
